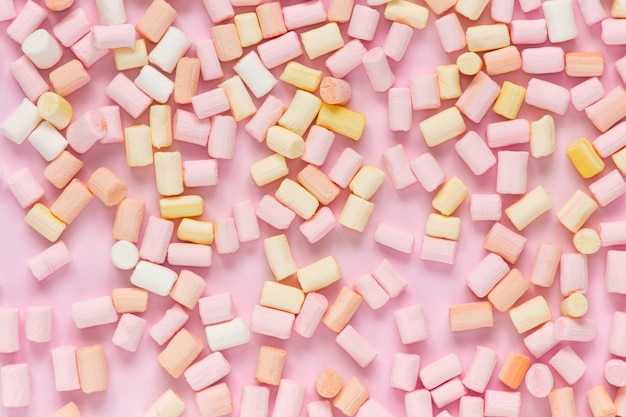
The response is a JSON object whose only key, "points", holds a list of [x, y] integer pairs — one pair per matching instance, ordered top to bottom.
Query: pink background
{"points": [[136, 380]]}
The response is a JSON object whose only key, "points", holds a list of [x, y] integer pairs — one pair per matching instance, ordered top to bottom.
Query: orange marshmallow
{"points": [[59, 5], [339, 10], [271, 19], [155, 21], [227, 44], [504, 60], [584, 64], [69, 77], [186, 80], [335, 90], [62, 169], [318, 184], [107, 186], [71, 201], [128, 220], [504, 242], [188, 289], [508, 290], [130, 300], [341, 311], [470, 316], [180, 352], [270, 365], [92, 369], [514, 370], [328, 384], [352, 395], [214, 401], [600, 402], [68, 410]]}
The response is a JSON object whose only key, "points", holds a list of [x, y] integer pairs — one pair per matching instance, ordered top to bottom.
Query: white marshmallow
{"points": [[42, 49], [170, 49], [255, 75], [155, 84], [18, 125], [47, 140], [124, 255], [153, 277], [228, 334]]}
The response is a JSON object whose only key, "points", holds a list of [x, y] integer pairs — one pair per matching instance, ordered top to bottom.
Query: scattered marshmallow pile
{"points": [[166, 113]]}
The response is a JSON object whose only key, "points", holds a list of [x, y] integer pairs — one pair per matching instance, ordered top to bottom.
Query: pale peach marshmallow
{"points": [[8, 10], [218, 10], [559, 15], [271, 19], [155, 21], [26, 22], [363, 22], [248, 28], [529, 32], [613, 32], [450, 33], [397, 40], [172, 46], [279, 50], [86, 52], [503, 60], [543, 60], [584, 64], [210, 65], [27, 76], [257, 78], [186, 80], [547, 96], [129, 97], [478, 97], [209, 103], [241, 104], [607, 111], [266, 116], [113, 121], [20, 122], [189, 128], [47, 140], [611, 141], [475, 153], [398, 167], [511, 176], [318, 184], [105, 185], [24, 187], [608, 188], [72, 200], [486, 207], [274, 213], [128, 219], [318, 226], [394, 237], [226, 239], [504, 242], [438, 250], [189, 254], [124, 255], [279, 256], [49, 260], [574, 273], [484, 276], [614, 276], [153, 277], [388, 278], [188, 288], [510, 289], [281, 297], [129, 300], [342, 309], [94, 312], [311, 313], [530, 314], [470, 316], [172, 321], [270, 322], [412, 324], [575, 330], [129, 332], [541, 340], [357, 347], [180, 352], [270, 364], [568, 364], [65, 368], [92, 369], [480, 370], [207, 371], [404, 371], [615, 372], [539, 380], [328, 384], [15, 385], [620, 400], [214, 401], [254, 401], [562, 402], [600, 402], [418, 403], [502, 403], [169, 404], [319, 409]]}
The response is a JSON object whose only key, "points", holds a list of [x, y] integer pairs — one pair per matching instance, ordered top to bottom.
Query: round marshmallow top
{"points": [[41, 48], [124, 254]]}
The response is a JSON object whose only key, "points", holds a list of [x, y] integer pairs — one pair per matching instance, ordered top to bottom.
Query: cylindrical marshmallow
{"points": [[42, 49]]}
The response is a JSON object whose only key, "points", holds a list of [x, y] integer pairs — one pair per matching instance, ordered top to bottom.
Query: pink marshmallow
{"points": [[7, 10], [219, 10], [502, 11], [592, 11], [299, 15], [27, 21], [363, 22], [72, 27], [450, 32], [529, 32], [613, 32], [113, 36], [397, 40], [85, 50], [280, 50], [346, 59], [543, 60], [210, 65], [620, 67], [377, 69], [28, 77], [425, 92], [125, 93], [586, 93], [547, 96], [478, 97], [210, 103], [399, 110], [608, 110], [267, 116], [112, 119], [188, 128], [86, 131], [509, 132], [222, 137], [611, 141], [318, 142], [475, 153], [397, 165], [346, 167], [427, 171], [200, 173], [512, 173], [24, 187], [608, 188], [486, 207], [274, 213], [246, 221], [318, 226], [612, 233], [394, 238], [156, 239], [226, 239], [438, 250], [189, 254], [49, 260], [545, 265], [574, 273], [615, 275], [484, 276], [388, 278], [188, 288], [371, 291], [216, 309], [94, 312], [310, 316], [172, 321], [270, 322], [38, 324], [412, 324], [9, 330], [574, 330], [129, 331], [617, 335], [541, 340], [356, 346], [569, 365], [65, 368], [481, 369], [207, 371], [404, 371], [440, 371], [615, 372], [539, 380], [15, 384], [448, 393], [289, 398], [255, 402], [418, 403], [502, 403], [471, 406], [372, 408], [319, 409]]}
